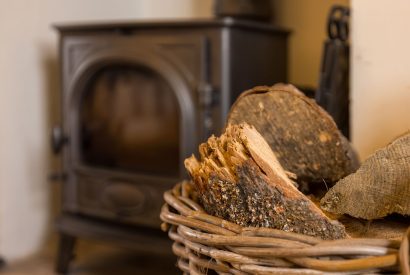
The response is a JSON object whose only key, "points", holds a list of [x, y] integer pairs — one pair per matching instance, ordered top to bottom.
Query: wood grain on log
{"points": [[302, 135], [239, 179], [381, 186]]}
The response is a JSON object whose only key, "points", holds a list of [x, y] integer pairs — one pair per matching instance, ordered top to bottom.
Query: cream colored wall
{"points": [[307, 20], [380, 76], [28, 87]]}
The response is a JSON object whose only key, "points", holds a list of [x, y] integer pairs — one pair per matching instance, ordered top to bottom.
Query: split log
{"points": [[304, 138], [239, 179], [381, 186]]}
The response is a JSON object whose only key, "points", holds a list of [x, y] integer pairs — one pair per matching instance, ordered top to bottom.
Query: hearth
{"points": [[137, 99]]}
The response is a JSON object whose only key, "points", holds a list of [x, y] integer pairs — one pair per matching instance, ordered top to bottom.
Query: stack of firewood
{"points": [[278, 146]]}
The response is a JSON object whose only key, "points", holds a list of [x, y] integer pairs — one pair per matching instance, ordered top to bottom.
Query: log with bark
{"points": [[304, 138], [239, 179], [381, 186]]}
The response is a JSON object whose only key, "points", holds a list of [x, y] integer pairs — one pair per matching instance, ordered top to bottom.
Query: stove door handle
{"points": [[58, 139]]}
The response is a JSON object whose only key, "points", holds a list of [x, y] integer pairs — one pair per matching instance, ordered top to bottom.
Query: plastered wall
{"points": [[380, 72]]}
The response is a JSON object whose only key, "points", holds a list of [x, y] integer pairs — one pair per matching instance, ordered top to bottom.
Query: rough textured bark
{"points": [[304, 138], [239, 179], [381, 186]]}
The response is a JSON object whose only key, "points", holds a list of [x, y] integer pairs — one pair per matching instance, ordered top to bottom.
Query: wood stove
{"points": [[137, 99]]}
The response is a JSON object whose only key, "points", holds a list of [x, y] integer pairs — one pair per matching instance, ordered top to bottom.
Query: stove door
{"points": [[132, 119]]}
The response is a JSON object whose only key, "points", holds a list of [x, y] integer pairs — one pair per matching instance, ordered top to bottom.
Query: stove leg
{"points": [[65, 253], [2, 263]]}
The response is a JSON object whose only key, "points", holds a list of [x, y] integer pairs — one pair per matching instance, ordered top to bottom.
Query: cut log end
{"points": [[303, 136], [239, 179]]}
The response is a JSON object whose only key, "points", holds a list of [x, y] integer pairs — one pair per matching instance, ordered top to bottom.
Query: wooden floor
{"points": [[96, 259]]}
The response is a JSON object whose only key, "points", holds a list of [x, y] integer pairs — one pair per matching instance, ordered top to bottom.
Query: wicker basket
{"points": [[206, 244]]}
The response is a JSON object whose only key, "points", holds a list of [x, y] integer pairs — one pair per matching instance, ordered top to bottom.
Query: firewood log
{"points": [[304, 138], [239, 179], [381, 186]]}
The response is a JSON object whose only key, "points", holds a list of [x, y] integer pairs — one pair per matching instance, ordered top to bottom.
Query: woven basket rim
{"points": [[204, 242]]}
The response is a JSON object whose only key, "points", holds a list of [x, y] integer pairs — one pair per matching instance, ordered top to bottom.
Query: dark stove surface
{"points": [[192, 23]]}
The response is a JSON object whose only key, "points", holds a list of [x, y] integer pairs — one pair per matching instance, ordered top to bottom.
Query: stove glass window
{"points": [[130, 121]]}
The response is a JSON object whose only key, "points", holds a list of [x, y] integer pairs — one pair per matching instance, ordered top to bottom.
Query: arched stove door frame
{"points": [[138, 58]]}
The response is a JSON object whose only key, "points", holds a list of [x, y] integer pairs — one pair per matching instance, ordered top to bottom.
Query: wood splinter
{"points": [[239, 179]]}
